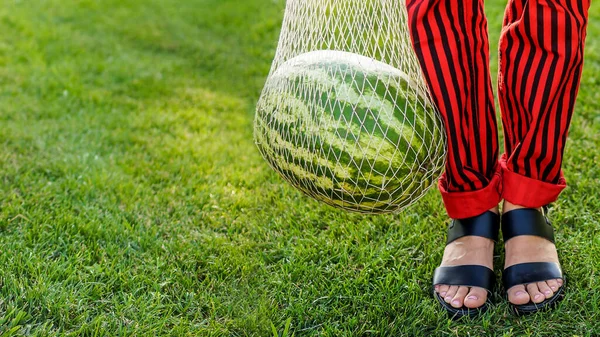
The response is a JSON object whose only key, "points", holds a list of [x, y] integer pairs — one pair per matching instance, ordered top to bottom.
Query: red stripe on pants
{"points": [[541, 58]]}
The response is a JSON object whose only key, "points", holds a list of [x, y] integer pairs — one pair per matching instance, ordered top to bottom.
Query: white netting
{"points": [[345, 115]]}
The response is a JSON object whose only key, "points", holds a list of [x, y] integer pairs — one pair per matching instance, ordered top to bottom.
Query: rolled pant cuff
{"points": [[528, 192], [461, 205]]}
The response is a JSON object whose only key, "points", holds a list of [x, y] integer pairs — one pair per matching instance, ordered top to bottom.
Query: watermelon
{"points": [[350, 131]]}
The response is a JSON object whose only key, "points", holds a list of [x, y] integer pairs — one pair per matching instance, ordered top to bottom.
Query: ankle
{"points": [[507, 206], [495, 209]]}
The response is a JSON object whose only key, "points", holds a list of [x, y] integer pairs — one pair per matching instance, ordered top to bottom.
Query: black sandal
{"points": [[527, 221], [485, 225]]}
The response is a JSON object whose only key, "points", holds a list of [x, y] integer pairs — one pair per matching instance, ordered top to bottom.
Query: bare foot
{"points": [[527, 248], [467, 250]]}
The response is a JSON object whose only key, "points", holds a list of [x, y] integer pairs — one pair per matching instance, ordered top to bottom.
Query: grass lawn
{"points": [[133, 201]]}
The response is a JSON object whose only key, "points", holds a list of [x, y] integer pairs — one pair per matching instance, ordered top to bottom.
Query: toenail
{"points": [[553, 288], [547, 292], [519, 293], [443, 294], [537, 296], [472, 297], [447, 299], [455, 302]]}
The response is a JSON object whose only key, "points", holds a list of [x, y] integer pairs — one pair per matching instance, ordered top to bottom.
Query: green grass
{"points": [[133, 201]]}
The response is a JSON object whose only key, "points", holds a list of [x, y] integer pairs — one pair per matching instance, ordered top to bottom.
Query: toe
{"points": [[560, 282], [553, 284], [545, 289], [443, 290], [450, 293], [534, 293], [518, 295], [459, 297], [475, 298]]}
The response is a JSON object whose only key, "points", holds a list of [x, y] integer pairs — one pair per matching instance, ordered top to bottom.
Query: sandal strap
{"points": [[526, 221], [486, 225], [525, 273], [465, 275]]}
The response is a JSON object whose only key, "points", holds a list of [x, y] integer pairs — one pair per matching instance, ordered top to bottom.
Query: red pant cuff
{"points": [[528, 192], [461, 205]]}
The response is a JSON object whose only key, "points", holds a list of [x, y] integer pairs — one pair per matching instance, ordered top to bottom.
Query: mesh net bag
{"points": [[345, 115]]}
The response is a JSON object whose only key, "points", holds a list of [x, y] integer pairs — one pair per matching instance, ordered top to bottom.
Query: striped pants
{"points": [[540, 64]]}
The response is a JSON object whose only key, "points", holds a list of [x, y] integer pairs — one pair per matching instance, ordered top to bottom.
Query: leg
{"points": [[451, 43], [541, 59]]}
